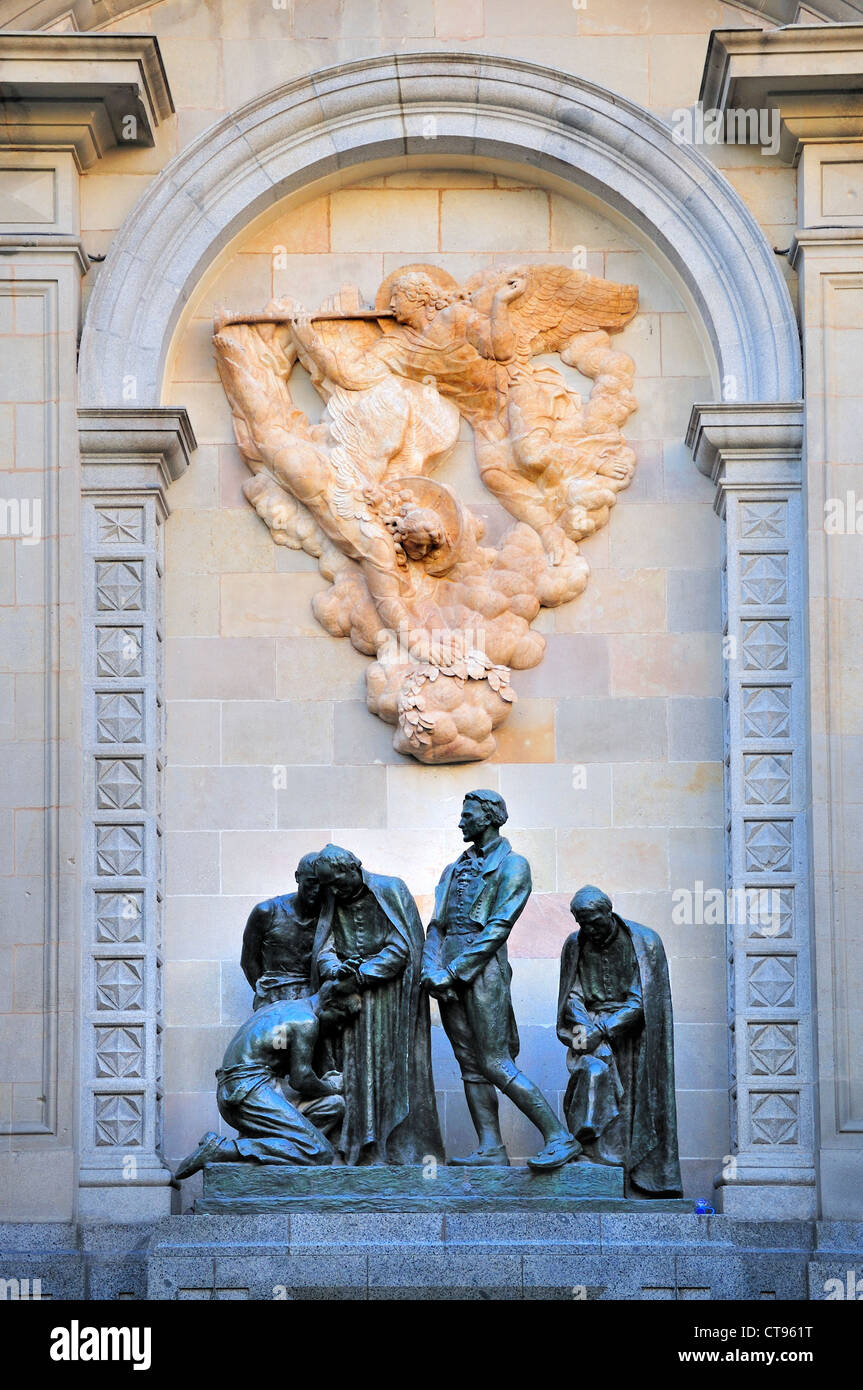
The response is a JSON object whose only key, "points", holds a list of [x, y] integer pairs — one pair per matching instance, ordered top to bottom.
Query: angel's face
{"points": [[412, 299], [403, 308], [419, 533]]}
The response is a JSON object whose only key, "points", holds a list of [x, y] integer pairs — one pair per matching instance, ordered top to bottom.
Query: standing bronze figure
{"points": [[370, 938], [278, 940], [465, 966], [614, 1017]]}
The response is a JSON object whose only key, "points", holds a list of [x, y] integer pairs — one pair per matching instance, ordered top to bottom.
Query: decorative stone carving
{"points": [[753, 455], [128, 459], [763, 520], [763, 578], [119, 585], [444, 617], [765, 645], [118, 651], [766, 711], [119, 717], [767, 779], [119, 784], [768, 845], [119, 916], [119, 984], [773, 1049], [119, 1051], [774, 1117], [119, 1121]]}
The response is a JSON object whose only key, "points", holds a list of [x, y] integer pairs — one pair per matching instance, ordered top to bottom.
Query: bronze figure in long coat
{"points": [[370, 934], [615, 1018]]}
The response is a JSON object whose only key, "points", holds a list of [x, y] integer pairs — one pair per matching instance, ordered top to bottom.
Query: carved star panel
{"points": [[763, 520], [120, 525], [763, 578], [119, 585], [764, 644], [119, 652], [766, 711], [120, 717], [767, 779], [119, 784], [768, 846], [120, 850], [775, 915], [119, 916], [772, 982], [119, 985], [773, 1049], [119, 1051], [774, 1117], [119, 1121]]}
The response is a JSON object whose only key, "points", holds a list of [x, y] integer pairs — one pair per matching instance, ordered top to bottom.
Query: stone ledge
{"points": [[813, 74], [77, 92], [508, 1255]]}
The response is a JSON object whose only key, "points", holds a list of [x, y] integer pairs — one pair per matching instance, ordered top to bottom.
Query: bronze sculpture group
{"points": [[342, 974]]}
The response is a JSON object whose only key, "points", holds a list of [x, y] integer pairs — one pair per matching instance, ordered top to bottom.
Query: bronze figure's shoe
{"points": [[208, 1147], [556, 1153], [483, 1158]]}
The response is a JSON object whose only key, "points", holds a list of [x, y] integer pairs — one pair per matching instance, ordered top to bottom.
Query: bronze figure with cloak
{"points": [[369, 935], [615, 1018]]}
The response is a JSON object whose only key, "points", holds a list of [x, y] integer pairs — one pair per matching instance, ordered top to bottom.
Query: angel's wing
{"points": [[557, 303]]}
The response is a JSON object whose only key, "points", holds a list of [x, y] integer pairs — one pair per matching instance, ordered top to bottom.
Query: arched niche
{"points": [[332, 124]]}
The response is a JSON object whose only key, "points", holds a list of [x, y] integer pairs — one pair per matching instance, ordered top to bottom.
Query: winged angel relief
{"points": [[445, 617]]}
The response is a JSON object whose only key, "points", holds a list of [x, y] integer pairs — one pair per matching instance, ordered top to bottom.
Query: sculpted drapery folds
{"points": [[445, 617], [369, 939]]}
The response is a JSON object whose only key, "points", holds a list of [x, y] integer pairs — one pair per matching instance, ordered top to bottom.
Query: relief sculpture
{"points": [[445, 618]]}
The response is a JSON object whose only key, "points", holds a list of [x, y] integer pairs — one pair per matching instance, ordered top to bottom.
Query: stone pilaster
{"points": [[812, 77], [68, 100], [829, 261], [40, 276], [753, 454], [128, 459]]}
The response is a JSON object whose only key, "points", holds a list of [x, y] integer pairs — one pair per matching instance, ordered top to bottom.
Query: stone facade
{"points": [[693, 722]]}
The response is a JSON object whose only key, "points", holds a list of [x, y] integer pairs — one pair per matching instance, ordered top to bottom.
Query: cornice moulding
{"points": [[812, 74], [76, 91], [840, 241], [36, 246], [160, 436], [752, 445]]}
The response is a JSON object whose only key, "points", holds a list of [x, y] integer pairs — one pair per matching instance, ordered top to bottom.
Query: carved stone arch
{"points": [[100, 14], [341, 118]]}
